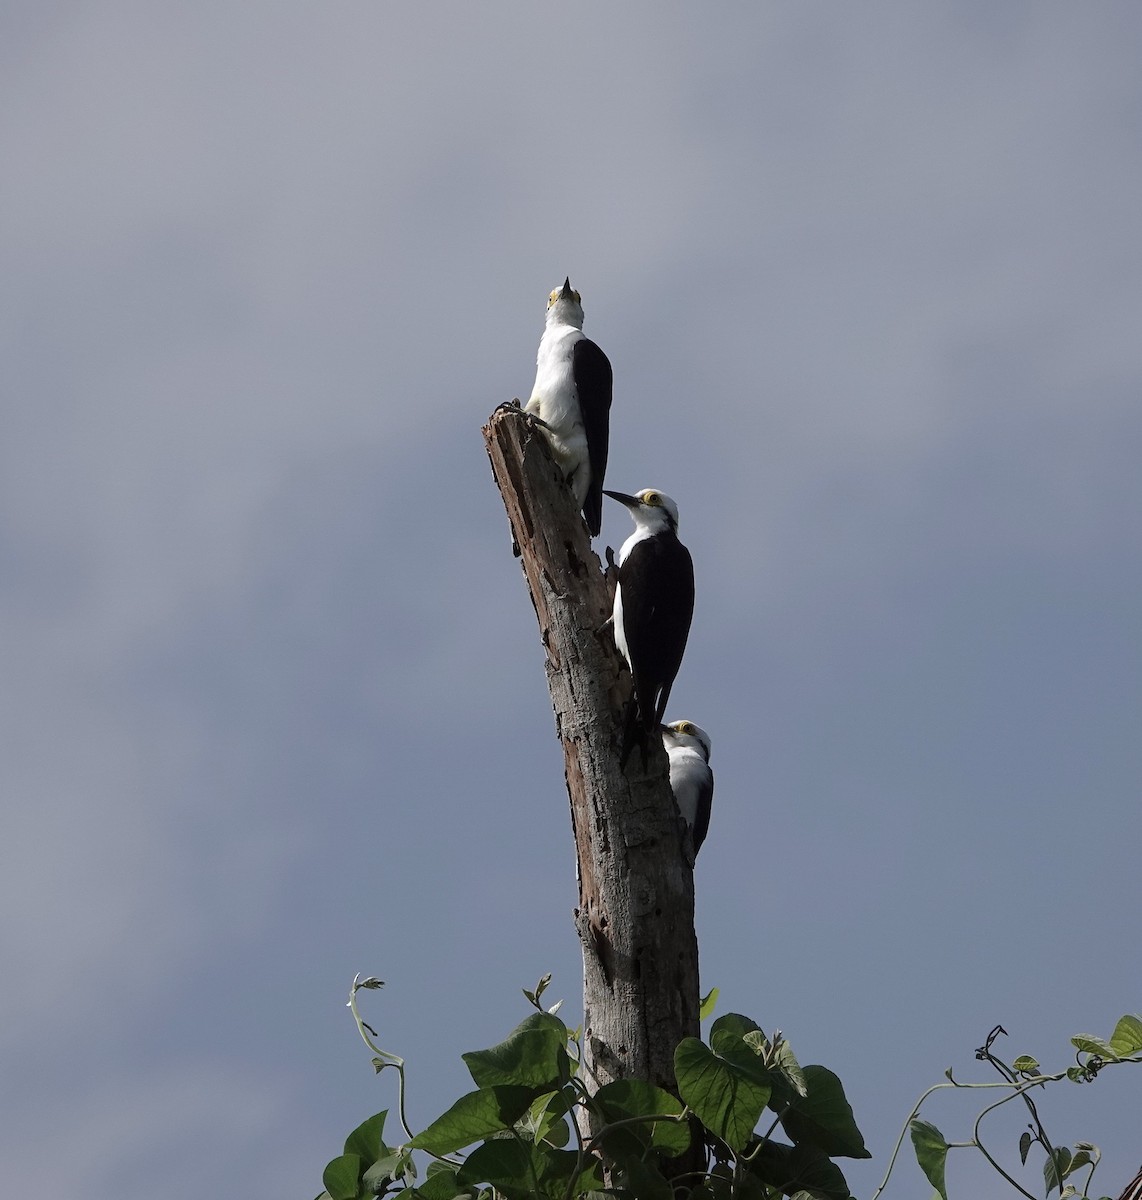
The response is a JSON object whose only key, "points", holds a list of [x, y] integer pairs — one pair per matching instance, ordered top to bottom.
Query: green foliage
{"points": [[1126, 1039], [533, 1055], [1023, 1080], [726, 1091], [636, 1104], [474, 1117], [823, 1117], [524, 1128], [367, 1140], [931, 1153], [798, 1169], [342, 1176]]}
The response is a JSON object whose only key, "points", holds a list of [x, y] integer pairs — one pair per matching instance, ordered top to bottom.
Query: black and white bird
{"points": [[572, 399], [654, 600], [691, 780], [1133, 1188]]}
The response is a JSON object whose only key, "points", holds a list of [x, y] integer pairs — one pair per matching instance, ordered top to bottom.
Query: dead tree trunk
{"points": [[636, 892]]}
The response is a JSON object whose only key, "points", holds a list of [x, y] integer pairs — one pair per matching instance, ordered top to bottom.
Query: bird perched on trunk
{"points": [[572, 399], [654, 601], [691, 780], [1133, 1188]]}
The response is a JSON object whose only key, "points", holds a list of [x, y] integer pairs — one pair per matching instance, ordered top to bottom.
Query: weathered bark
{"points": [[636, 892]]}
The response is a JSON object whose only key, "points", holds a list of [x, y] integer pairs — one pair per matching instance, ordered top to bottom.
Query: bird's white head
{"points": [[565, 307], [650, 508], [686, 735]]}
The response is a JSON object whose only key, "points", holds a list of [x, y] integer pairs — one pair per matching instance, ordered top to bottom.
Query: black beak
{"points": [[567, 293], [623, 498]]}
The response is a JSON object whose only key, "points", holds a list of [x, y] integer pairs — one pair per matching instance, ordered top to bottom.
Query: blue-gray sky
{"points": [[871, 280]]}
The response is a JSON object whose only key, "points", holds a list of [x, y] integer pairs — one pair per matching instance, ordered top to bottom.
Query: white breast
{"points": [[555, 398], [617, 612], [688, 772]]}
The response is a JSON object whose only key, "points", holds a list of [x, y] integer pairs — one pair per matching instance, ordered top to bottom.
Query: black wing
{"points": [[594, 382], [657, 580]]}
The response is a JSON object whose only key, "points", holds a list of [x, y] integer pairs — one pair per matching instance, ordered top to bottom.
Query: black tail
{"points": [[593, 508], [634, 734]]}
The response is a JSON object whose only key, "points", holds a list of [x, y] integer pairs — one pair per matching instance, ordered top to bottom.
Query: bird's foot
{"points": [[514, 406], [534, 419]]}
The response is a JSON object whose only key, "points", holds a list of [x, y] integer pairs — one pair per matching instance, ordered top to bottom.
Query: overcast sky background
{"points": [[274, 708]]}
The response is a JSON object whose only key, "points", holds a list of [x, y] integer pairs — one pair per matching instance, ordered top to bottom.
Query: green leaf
{"points": [[534, 998], [708, 1003], [734, 1023], [1126, 1040], [757, 1042], [1092, 1045], [742, 1053], [533, 1055], [1025, 1063], [790, 1068], [626, 1098], [726, 1098], [473, 1117], [824, 1117], [543, 1121], [366, 1141], [1024, 1147], [931, 1153], [1081, 1159], [504, 1163], [1057, 1167], [798, 1168], [383, 1169], [522, 1170], [557, 1172], [341, 1177], [644, 1181], [588, 1182], [718, 1184], [441, 1185], [749, 1187]]}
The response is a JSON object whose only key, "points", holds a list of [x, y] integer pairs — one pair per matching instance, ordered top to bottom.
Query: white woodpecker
{"points": [[572, 399], [654, 600], [691, 780]]}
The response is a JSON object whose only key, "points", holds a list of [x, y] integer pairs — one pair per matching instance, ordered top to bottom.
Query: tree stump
{"points": [[636, 891]]}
